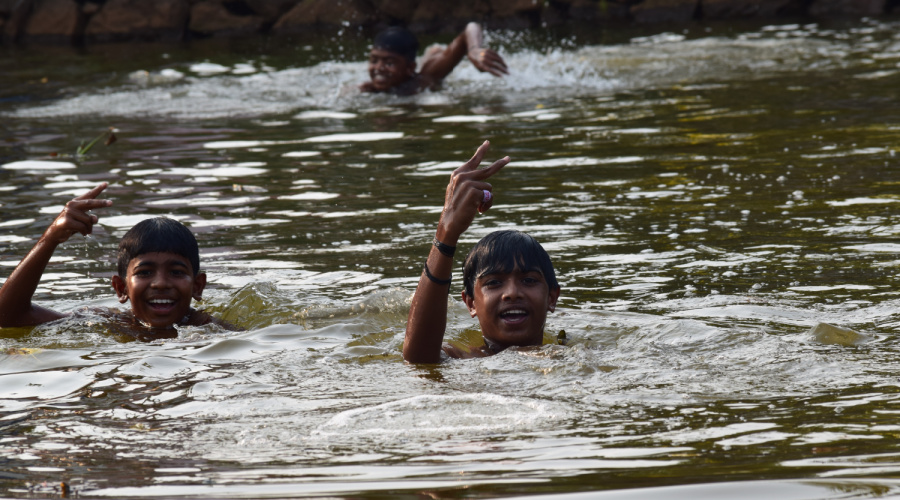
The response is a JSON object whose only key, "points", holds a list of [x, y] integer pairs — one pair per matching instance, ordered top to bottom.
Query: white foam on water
{"points": [[207, 68], [328, 90], [318, 114], [464, 119], [360, 137], [301, 154], [37, 165], [238, 170], [309, 196], [862, 201], [16, 222], [876, 247], [435, 414]]}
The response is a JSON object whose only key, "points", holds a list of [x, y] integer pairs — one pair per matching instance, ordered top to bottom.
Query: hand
{"points": [[488, 60], [465, 195], [76, 216]]}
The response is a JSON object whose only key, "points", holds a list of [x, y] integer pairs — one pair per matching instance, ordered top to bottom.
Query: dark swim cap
{"points": [[399, 41]]}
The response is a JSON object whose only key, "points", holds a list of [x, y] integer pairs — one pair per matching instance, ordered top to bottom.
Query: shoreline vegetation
{"points": [[83, 22]]}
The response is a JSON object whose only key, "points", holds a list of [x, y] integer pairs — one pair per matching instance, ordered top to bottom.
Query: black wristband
{"points": [[444, 248], [435, 280]]}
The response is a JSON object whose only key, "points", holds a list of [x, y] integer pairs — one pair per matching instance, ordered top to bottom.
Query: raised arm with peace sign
{"points": [[468, 193], [16, 308]]}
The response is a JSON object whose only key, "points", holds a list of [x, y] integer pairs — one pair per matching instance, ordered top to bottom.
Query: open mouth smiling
{"points": [[163, 304], [514, 315]]}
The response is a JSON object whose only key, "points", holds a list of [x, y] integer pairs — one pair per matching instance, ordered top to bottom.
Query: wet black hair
{"points": [[399, 41], [159, 234], [502, 251]]}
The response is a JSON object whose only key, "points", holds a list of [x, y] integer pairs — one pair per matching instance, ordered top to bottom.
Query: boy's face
{"points": [[389, 69], [160, 287], [512, 307]]}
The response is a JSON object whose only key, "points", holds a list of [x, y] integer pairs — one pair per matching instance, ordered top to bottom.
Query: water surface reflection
{"points": [[708, 199]]}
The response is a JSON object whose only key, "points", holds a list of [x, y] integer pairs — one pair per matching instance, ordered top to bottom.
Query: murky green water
{"points": [[708, 198]]}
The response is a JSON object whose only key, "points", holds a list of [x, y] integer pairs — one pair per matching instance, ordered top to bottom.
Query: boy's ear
{"points": [[118, 285], [199, 285], [552, 297], [470, 303]]}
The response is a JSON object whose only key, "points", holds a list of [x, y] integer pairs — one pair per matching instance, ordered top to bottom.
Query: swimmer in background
{"points": [[392, 61], [158, 272], [508, 279]]}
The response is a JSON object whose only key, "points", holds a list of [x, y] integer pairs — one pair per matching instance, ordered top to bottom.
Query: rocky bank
{"points": [[98, 21]]}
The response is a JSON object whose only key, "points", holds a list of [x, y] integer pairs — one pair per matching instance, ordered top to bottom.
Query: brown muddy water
{"points": [[713, 199]]}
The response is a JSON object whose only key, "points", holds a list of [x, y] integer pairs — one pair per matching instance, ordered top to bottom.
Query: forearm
{"points": [[473, 36], [16, 308], [428, 312]]}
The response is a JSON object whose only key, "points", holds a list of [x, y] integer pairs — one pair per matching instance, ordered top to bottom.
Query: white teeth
{"points": [[162, 301], [514, 311]]}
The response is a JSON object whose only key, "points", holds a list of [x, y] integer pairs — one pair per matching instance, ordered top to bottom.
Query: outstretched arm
{"points": [[437, 65], [467, 193], [16, 308]]}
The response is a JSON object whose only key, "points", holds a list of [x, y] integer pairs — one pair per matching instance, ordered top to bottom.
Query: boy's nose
{"points": [[159, 281], [510, 290]]}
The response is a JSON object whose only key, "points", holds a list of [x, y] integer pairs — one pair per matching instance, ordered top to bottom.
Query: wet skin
{"points": [[388, 70], [160, 287], [512, 307]]}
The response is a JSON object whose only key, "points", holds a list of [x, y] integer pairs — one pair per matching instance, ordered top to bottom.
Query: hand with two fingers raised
{"points": [[467, 194], [77, 217], [16, 308]]}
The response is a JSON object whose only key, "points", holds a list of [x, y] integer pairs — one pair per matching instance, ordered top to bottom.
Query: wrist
{"points": [[445, 236], [49, 239], [445, 249]]}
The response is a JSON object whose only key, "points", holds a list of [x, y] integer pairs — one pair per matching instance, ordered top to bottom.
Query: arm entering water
{"points": [[467, 193], [16, 308]]}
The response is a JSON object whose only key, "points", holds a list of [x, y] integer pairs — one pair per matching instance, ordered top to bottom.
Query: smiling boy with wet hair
{"points": [[392, 60], [159, 234], [503, 251], [158, 271], [509, 282]]}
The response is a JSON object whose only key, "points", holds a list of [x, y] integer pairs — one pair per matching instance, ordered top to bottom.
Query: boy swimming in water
{"points": [[392, 61], [158, 271], [508, 279]]}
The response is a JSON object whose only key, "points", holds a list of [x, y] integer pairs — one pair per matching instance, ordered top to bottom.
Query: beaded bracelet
{"points": [[443, 247], [434, 279]]}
